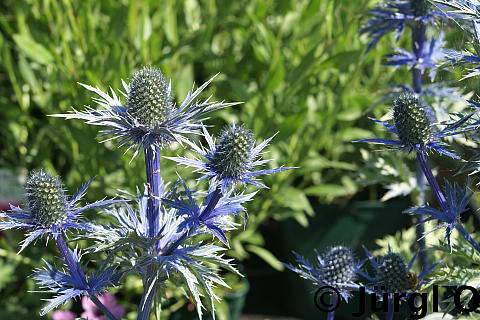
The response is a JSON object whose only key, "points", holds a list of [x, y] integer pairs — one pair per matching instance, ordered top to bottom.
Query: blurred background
{"points": [[299, 68]]}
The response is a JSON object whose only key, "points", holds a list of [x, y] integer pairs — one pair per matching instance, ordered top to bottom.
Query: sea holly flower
{"points": [[394, 15], [430, 55], [149, 118], [415, 131], [230, 160], [456, 199], [49, 211], [336, 267], [393, 275], [92, 312]]}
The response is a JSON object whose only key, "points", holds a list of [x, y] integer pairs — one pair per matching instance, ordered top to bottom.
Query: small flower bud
{"points": [[149, 99], [411, 120], [232, 152], [45, 198], [339, 265], [392, 273]]}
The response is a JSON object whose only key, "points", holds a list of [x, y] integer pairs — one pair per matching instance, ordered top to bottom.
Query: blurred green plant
{"points": [[295, 64]]}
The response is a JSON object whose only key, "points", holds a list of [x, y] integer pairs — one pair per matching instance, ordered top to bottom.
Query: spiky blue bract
{"points": [[394, 15], [431, 55], [149, 118], [413, 127], [231, 160], [456, 199], [48, 210], [214, 219], [195, 266], [336, 267], [390, 272], [67, 287]]}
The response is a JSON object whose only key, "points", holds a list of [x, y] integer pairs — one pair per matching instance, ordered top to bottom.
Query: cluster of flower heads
{"points": [[153, 232], [337, 267]]}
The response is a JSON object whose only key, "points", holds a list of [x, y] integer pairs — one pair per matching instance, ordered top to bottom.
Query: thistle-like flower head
{"points": [[149, 98], [149, 117], [411, 120], [414, 129], [231, 156], [230, 160], [46, 198], [48, 210], [339, 265], [336, 267], [392, 273]]}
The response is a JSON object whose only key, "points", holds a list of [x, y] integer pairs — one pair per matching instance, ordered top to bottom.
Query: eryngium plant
{"points": [[155, 234]]}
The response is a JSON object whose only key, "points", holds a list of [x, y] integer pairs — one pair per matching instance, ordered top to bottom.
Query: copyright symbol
{"points": [[327, 299]]}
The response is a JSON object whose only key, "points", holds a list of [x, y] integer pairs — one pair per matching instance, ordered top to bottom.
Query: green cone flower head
{"points": [[149, 99], [411, 120], [232, 151], [46, 198], [339, 265], [392, 273]]}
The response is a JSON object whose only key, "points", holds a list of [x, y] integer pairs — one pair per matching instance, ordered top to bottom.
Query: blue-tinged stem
{"points": [[418, 42], [153, 172], [431, 180], [420, 227], [467, 237], [77, 274], [333, 302], [390, 312]]}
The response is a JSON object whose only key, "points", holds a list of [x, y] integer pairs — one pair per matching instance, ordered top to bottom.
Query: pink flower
{"points": [[92, 312], [64, 315]]}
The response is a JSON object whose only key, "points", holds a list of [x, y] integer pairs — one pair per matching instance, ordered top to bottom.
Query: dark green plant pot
{"points": [[236, 300]]}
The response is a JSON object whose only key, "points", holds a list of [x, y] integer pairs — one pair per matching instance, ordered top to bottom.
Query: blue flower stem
{"points": [[418, 42], [153, 174], [431, 180], [420, 227], [467, 237], [77, 274], [333, 302], [390, 312], [108, 315]]}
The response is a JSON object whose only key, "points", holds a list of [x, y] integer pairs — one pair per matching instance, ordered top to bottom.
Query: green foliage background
{"points": [[296, 65]]}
